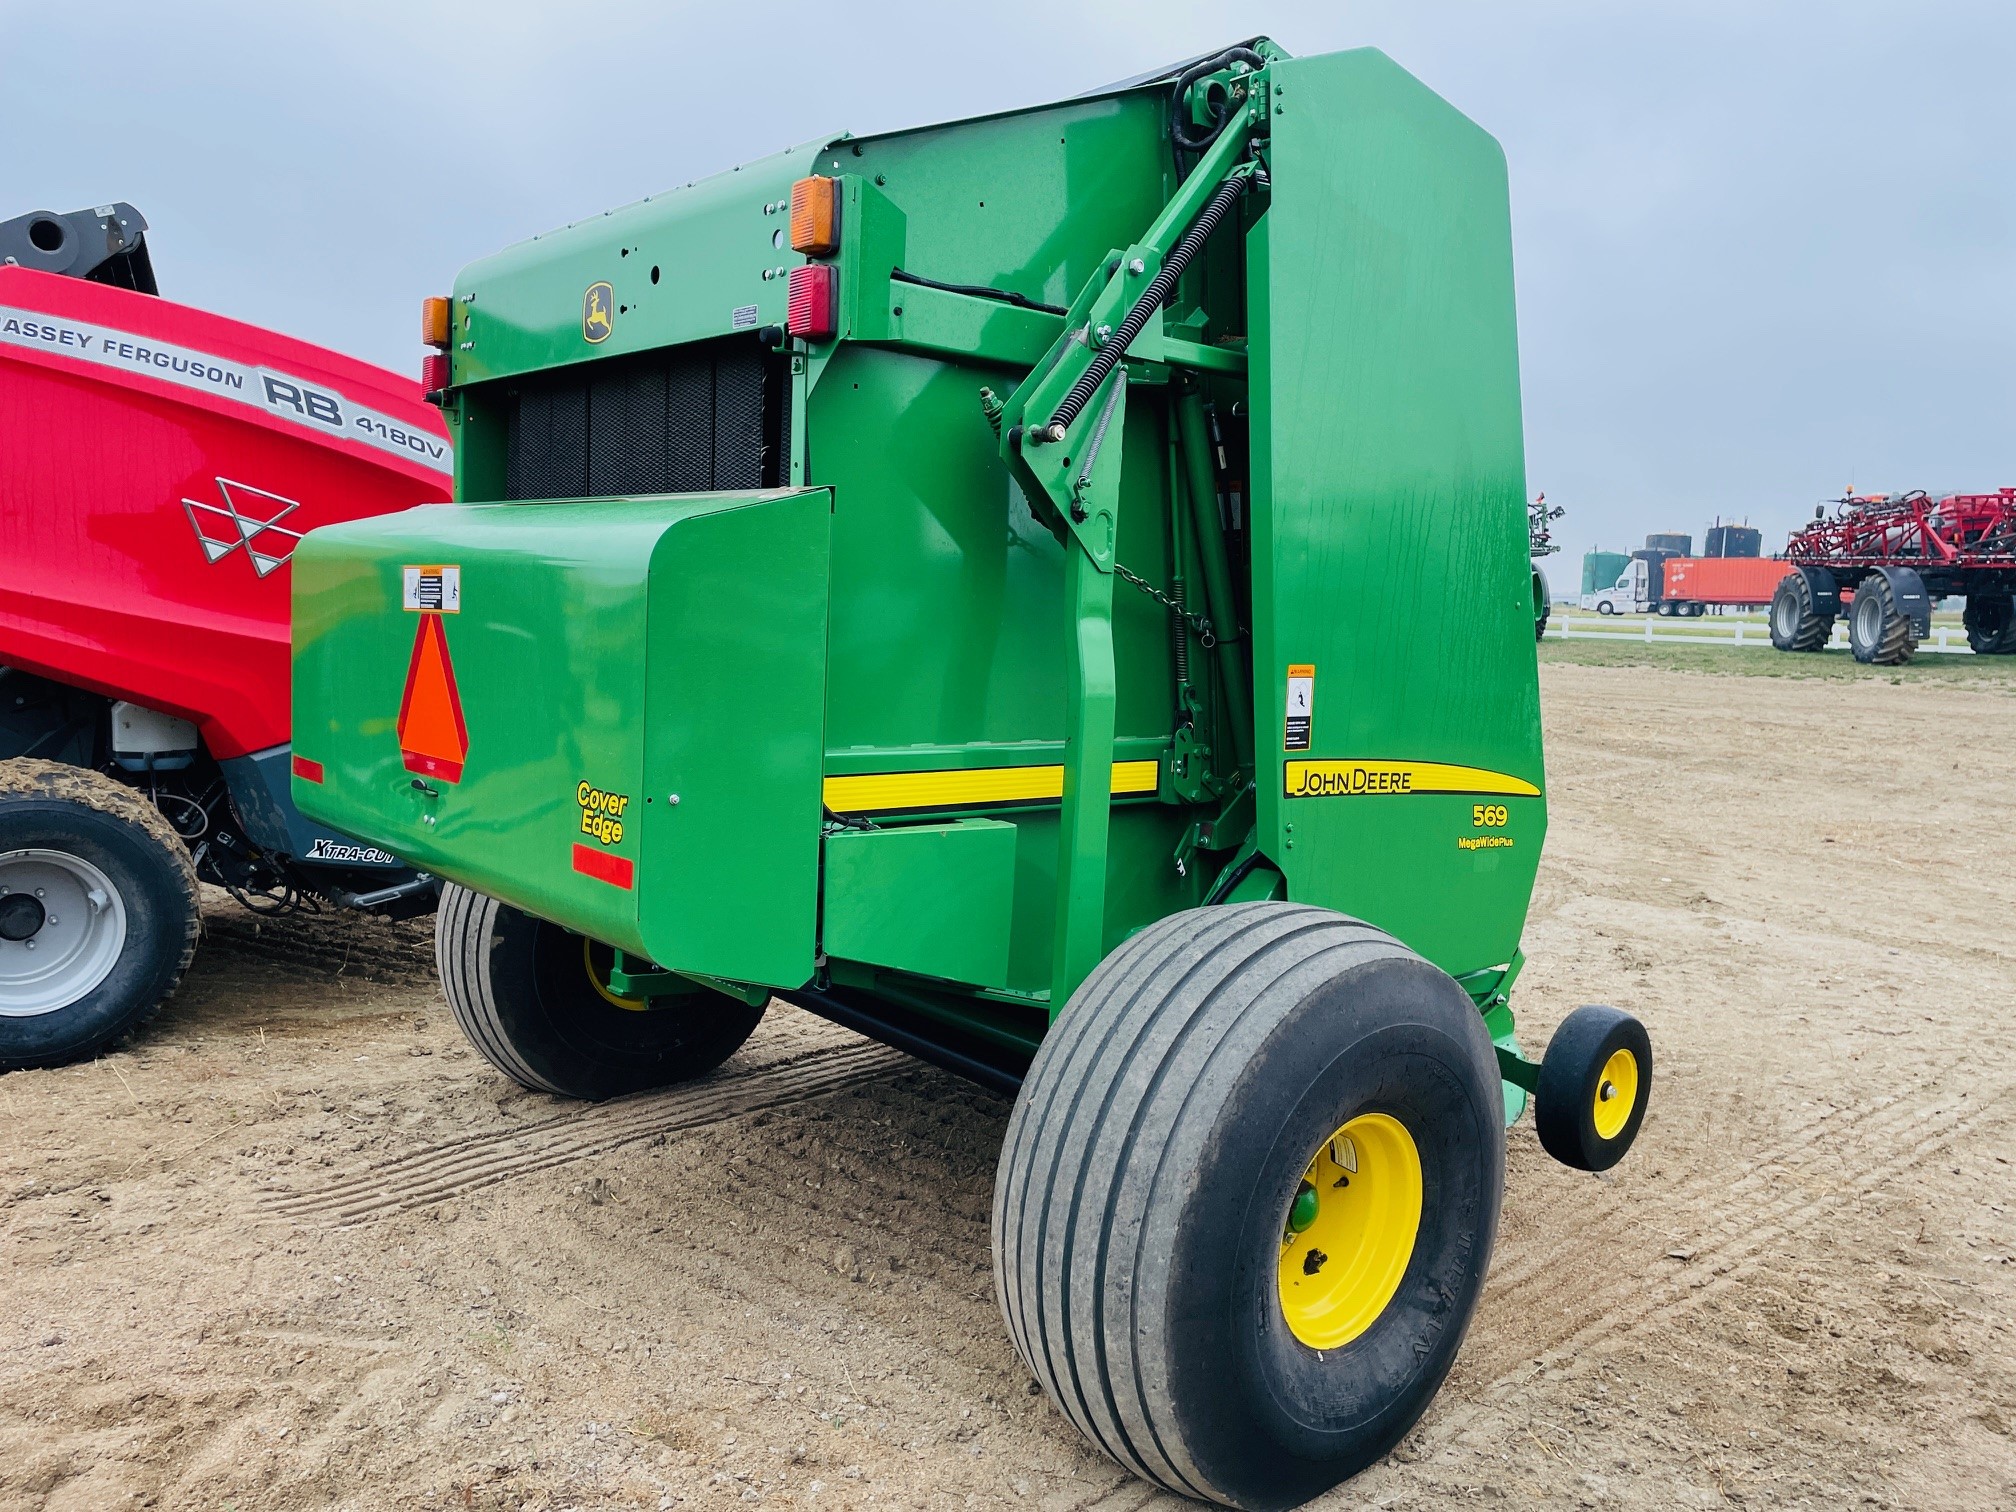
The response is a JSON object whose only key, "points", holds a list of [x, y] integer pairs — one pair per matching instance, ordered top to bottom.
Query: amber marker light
{"points": [[815, 216]]}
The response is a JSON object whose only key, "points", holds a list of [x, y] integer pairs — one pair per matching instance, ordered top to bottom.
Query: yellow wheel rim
{"points": [[596, 960], [1616, 1094], [1350, 1231]]}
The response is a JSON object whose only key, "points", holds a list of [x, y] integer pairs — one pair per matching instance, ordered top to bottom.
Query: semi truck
{"points": [[968, 582], [1689, 586]]}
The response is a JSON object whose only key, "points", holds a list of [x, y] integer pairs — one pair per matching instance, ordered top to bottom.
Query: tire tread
{"points": [[32, 777], [462, 929], [1171, 1011]]}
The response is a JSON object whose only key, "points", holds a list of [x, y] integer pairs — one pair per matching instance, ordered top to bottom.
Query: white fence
{"points": [[1707, 632]]}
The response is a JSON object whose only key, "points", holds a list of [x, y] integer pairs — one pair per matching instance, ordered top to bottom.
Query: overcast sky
{"points": [[1764, 251]]}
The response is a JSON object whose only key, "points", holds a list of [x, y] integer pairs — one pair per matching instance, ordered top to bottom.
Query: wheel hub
{"points": [[21, 916], [62, 930], [596, 960], [1616, 1094], [1350, 1231]]}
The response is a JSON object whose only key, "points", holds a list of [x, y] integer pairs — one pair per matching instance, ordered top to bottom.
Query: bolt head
{"points": [[1137, 266], [673, 799]]}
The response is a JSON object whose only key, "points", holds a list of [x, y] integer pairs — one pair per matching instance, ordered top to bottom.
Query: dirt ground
{"points": [[301, 1248]]}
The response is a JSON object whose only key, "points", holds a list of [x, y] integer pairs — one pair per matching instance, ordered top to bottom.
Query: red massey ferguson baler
{"points": [[160, 463]]}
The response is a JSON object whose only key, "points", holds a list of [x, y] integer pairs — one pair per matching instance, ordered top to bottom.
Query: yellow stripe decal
{"points": [[1330, 779], [882, 792]]}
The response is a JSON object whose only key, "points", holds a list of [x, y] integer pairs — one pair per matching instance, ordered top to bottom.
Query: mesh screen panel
{"points": [[691, 419]]}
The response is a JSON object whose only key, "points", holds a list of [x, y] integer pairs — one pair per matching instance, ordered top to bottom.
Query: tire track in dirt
{"points": [[1858, 1130], [440, 1172], [1758, 1213]]}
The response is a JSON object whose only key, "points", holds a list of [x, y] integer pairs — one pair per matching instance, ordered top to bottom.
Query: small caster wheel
{"points": [[1594, 1082]]}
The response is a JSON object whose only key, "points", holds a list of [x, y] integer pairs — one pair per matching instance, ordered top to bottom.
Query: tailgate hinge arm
{"points": [[1061, 438]]}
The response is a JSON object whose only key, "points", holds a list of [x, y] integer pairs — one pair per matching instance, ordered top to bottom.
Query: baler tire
{"points": [[1990, 621], [1795, 624], [1879, 635], [91, 833], [521, 990], [1595, 1084], [1153, 1171]]}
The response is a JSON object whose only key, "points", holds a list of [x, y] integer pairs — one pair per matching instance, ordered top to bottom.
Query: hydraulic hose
{"points": [[1177, 131], [1164, 283]]}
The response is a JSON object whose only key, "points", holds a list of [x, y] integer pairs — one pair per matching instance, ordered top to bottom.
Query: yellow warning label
{"points": [[1356, 779]]}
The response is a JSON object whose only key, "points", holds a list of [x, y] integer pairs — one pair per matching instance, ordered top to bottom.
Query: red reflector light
{"points": [[811, 311], [433, 372], [432, 766], [306, 770], [617, 871]]}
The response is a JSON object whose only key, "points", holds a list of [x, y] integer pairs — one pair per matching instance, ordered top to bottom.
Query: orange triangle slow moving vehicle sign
{"points": [[432, 737]]}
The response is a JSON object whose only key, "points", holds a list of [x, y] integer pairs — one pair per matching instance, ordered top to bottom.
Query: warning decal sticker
{"points": [[433, 590], [1301, 707]]}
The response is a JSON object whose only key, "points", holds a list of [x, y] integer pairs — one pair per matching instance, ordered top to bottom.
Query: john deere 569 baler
{"points": [[1049, 591]]}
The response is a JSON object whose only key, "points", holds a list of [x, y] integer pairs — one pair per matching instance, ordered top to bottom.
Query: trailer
{"points": [[1884, 558], [993, 585], [1688, 587]]}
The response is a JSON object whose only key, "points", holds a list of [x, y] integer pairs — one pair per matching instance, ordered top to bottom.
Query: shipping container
{"points": [[1723, 580]]}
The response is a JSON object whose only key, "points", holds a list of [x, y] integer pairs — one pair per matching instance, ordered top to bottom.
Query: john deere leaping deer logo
{"points": [[598, 312]]}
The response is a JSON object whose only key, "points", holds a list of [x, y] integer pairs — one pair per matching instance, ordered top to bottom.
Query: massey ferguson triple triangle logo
{"points": [[249, 518]]}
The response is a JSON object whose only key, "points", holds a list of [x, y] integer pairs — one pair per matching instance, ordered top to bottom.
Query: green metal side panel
{"points": [[1029, 200], [708, 243], [1390, 545], [947, 629], [948, 634], [631, 648], [734, 709], [934, 899]]}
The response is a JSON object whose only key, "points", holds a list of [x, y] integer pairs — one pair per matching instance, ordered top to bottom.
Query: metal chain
{"points": [[1199, 624]]}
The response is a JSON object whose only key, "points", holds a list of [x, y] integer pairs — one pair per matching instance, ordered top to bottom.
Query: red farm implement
{"points": [[158, 466], [1888, 557]]}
